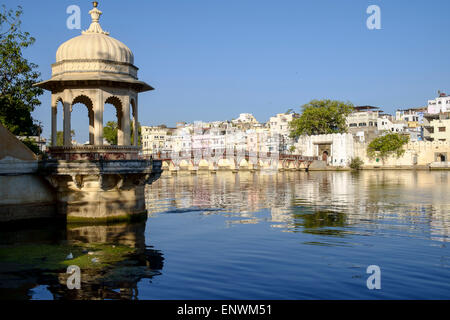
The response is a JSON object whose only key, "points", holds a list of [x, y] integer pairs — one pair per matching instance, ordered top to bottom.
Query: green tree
{"points": [[18, 97], [321, 117], [110, 133], [60, 137], [390, 144], [32, 145], [292, 149], [356, 163]]}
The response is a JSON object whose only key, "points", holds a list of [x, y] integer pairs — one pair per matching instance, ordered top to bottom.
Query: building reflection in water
{"points": [[315, 202], [118, 280]]}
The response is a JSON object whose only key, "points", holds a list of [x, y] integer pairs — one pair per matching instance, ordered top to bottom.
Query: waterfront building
{"points": [[217, 137], [154, 139], [335, 149]]}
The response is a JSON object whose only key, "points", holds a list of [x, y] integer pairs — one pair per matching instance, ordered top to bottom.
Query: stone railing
{"points": [[90, 152], [205, 154], [62, 167]]}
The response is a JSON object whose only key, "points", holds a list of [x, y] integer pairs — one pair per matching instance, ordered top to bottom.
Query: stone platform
{"points": [[100, 190]]}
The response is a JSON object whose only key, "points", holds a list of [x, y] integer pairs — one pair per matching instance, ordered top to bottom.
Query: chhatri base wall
{"points": [[94, 190], [100, 190], [80, 191]]}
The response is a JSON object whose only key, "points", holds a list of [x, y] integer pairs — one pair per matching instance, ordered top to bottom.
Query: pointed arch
{"points": [[86, 101], [117, 103]]}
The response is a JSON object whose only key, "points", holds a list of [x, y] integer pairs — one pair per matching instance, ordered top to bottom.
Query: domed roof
{"points": [[94, 44], [94, 58]]}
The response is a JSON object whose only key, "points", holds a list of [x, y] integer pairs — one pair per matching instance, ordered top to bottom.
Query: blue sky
{"points": [[213, 59]]}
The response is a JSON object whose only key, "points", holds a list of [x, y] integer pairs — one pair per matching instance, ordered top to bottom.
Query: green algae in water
{"points": [[53, 257]]}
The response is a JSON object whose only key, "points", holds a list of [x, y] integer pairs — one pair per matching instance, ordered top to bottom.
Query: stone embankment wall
{"points": [[417, 154], [23, 194]]}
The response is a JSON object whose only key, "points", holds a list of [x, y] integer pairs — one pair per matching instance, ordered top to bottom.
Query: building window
{"points": [[441, 129]]}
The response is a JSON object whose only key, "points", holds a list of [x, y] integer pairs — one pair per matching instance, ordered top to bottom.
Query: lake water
{"points": [[292, 235]]}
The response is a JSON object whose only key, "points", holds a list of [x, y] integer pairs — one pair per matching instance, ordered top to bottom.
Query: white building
{"points": [[440, 104], [410, 115], [245, 118], [387, 123], [280, 124], [154, 139], [336, 149]]}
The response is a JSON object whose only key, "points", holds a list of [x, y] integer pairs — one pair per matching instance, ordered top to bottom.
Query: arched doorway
{"points": [[78, 115], [115, 123], [325, 156]]}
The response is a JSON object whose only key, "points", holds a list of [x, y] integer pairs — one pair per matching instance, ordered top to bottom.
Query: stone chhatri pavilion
{"points": [[95, 69], [97, 182]]}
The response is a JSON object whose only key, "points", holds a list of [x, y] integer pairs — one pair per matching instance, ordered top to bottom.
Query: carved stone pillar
{"points": [[98, 118], [126, 121], [135, 123], [54, 124], [67, 125], [91, 126], [120, 141]]}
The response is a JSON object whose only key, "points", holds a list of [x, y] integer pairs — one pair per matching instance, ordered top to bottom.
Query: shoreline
{"points": [[333, 169]]}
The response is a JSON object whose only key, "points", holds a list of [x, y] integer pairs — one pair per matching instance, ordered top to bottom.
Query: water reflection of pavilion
{"points": [[370, 195], [118, 280]]}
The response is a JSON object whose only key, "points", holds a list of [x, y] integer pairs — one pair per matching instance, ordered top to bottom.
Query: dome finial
{"points": [[95, 26]]}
